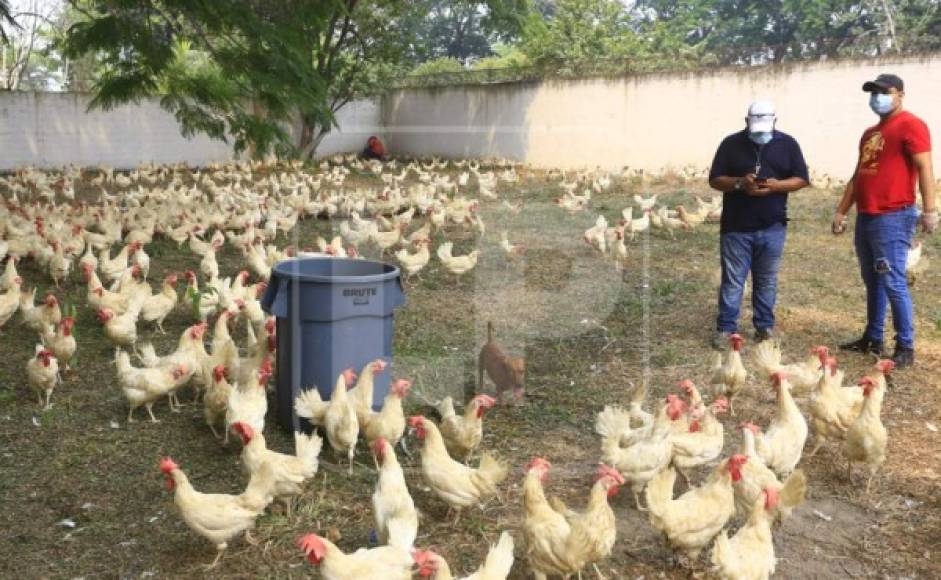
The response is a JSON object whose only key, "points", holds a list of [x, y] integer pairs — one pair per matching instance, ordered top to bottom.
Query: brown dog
{"points": [[506, 372]]}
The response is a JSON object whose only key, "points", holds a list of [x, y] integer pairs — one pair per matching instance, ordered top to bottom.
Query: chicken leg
{"points": [[150, 411], [818, 443], [872, 475], [640, 508], [220, 549]]}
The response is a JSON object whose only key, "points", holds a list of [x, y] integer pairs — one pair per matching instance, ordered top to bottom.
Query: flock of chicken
{"points": [[247, 206], [760, 482]]}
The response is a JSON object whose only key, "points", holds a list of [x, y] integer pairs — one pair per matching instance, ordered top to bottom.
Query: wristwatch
{"points": [[739, 183]]}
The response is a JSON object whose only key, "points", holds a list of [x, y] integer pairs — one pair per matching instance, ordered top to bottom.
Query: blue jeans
{"points": [[882, 243], [756, 252]]}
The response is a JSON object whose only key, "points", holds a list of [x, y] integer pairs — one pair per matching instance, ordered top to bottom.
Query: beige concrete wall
{"points": [[654, 121], [55, 129]]}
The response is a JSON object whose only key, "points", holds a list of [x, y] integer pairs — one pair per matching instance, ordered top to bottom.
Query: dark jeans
{"points": [[882, 244], [756, 252]]}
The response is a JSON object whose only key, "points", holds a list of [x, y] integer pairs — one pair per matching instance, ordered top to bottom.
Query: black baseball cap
{"points": [[884, 82]]}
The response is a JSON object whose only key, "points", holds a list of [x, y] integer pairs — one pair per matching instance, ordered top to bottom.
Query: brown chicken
{"points": [[462, 433], [457, 484]]}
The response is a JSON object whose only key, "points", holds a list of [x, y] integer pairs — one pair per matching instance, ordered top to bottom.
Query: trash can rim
{"points": [[280, 269]]}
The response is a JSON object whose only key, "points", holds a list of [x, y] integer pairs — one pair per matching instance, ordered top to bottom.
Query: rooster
{"points": [[457, 484], [218, 517]]}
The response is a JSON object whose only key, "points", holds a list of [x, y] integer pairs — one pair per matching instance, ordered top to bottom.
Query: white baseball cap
{"points": [[761, 116]]}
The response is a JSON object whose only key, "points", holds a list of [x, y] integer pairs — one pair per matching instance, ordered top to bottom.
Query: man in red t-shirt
{"points": [[894, 156]]}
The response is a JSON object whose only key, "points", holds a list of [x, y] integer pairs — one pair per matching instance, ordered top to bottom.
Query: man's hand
{"points": [[755, 189], [929, 221], [839, 224]]}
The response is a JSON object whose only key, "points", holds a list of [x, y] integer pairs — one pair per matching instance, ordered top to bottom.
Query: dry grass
{"points": [[580, 325]]}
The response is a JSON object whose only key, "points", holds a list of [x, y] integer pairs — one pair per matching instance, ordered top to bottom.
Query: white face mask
{"points": [[881, 104], [758, 124]]}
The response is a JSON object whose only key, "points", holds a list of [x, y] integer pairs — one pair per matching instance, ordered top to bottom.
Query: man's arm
{"points": [[725, 183], [786, 185], [846, 202], [929, 220]]}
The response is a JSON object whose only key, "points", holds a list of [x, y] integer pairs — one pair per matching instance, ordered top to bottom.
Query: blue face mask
{"points": [[880, 104], [761, 137]]}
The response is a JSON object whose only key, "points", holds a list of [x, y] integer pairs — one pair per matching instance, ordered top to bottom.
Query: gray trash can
{"points": [[332, 314]]}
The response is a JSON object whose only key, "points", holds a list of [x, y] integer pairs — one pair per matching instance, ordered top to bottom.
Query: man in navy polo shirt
{"points": [[755, 169]]}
